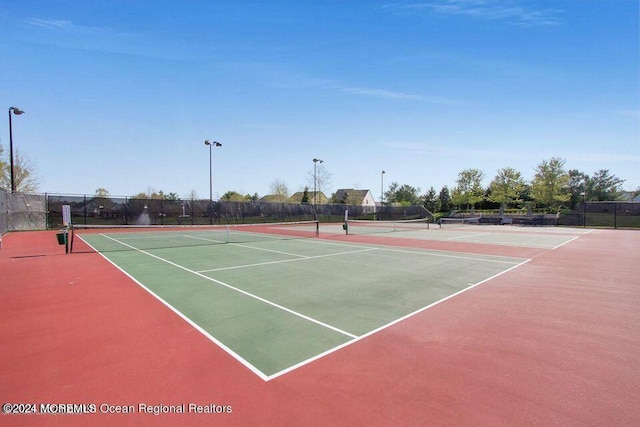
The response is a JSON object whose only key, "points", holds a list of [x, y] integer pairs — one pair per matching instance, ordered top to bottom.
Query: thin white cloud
{"points": [[517, 13], [50, 24], [70, 27], [71, 35], [335, 86], [381, 93]]}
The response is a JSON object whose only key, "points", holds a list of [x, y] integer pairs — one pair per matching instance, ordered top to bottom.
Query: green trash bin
{"points": [[62, 238]]}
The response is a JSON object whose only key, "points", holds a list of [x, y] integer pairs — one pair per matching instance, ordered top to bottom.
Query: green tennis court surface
{"points": [[544, 238], [278, 304]]}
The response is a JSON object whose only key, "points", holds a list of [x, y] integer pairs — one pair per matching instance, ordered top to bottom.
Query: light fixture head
{"points": [[16, 111]]}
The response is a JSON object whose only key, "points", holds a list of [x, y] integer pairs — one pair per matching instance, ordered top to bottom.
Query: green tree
{"points": [[550, 185], [603, 186], [506, 187], [577, 187], [468, 190], [151, 193], [405, 194], [305, 195], [233, 196], [444, 199], [430, 200]]}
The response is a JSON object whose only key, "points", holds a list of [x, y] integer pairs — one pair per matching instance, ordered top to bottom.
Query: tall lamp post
{"points": [[17, 112], [211, 144], [315, 181], [382, 188], [584, 209]]}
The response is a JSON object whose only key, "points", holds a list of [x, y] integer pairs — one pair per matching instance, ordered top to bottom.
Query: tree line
{"points": [[552, 187]]}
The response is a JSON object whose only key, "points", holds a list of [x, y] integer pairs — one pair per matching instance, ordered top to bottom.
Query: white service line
{"points": [[466, 236], [246, 246], [285, 260], [249, 294], [388, 325]]}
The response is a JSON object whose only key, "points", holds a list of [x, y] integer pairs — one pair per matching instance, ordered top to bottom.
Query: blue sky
{"points": [[122, 94]]}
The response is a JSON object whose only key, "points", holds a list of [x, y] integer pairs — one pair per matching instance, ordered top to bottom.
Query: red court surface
{"points": [[554, 342]]}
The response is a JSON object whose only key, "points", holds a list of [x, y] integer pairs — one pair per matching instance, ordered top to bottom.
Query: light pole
{"points": [[17, 112], [211, 144], [315, 181], [382, 188], [584, 209]]}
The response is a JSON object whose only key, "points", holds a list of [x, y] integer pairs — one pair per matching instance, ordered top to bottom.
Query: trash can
{"points": [[62, 238]]}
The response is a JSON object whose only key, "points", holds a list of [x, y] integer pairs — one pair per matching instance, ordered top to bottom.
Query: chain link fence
{"points": [[92, 210], [22, 212], [39, 212], [603, 214], [4, 216]]}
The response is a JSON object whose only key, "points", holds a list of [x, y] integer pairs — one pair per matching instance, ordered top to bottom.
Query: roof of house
{"points": [[354, 196], [297, 197], [274, 198]]}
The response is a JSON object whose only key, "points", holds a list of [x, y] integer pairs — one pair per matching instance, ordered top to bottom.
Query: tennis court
{"points": [[513, 236], [279, 301], [277, 325]]}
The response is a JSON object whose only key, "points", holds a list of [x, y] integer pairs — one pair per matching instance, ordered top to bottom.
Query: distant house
{"points": [[350, 196], [629, 196], [274, 198], [321, 198]]}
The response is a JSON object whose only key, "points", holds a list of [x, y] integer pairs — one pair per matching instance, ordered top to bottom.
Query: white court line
{"points": [[466, 236], [562, 244], [247, 246], [426, 252], [505, 259], [286, 260], [249, 294], [388, 325], [219, 343], [329, 351]]}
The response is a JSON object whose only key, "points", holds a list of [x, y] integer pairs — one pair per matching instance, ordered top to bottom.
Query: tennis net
{"points": [[458, 222], [361, 226], [121, 238]]}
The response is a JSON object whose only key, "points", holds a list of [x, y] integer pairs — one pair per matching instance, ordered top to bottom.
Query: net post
{"points": [[66, 222], [346, 222], [71, 232]]}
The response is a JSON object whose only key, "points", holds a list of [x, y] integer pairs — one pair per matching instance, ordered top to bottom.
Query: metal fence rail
{"points": [[92, 210], [44, 211], [4, 215], [605, 215]]}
